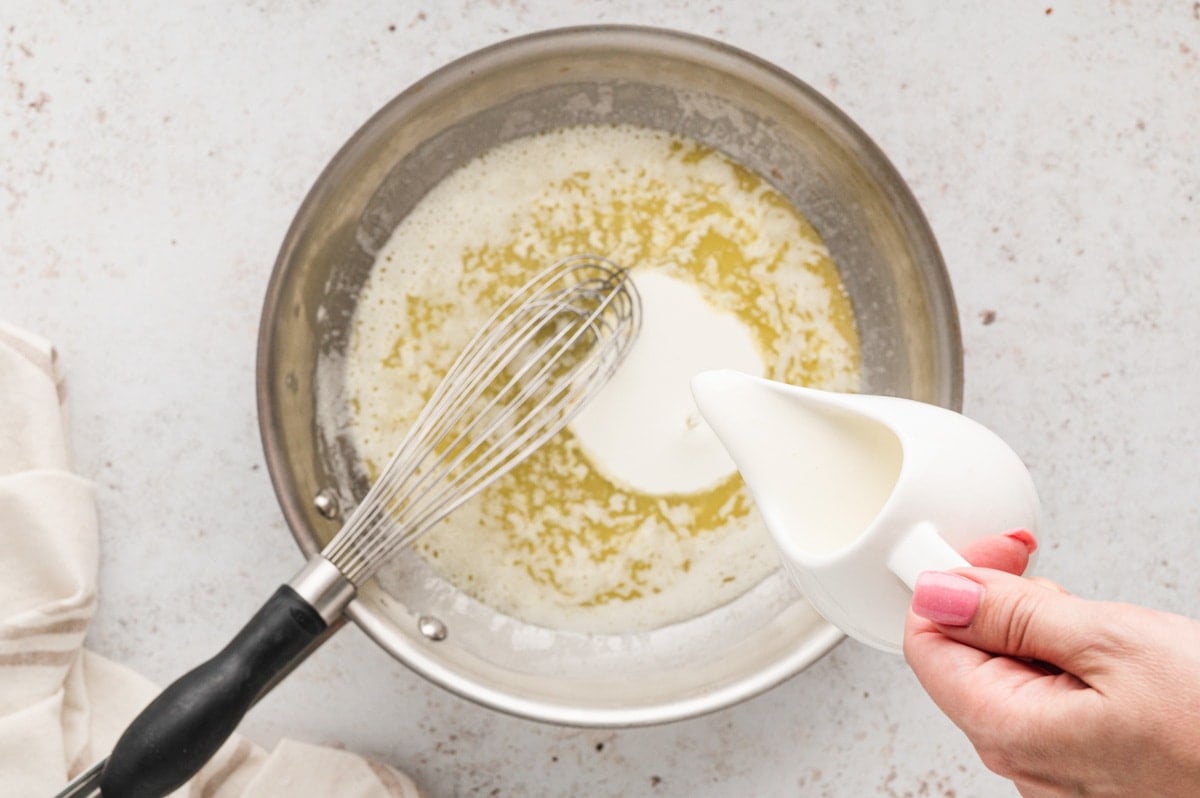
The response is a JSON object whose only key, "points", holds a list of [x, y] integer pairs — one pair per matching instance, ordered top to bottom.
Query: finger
{"points": [[1009, 552], [1050, 585], [1005, 614], [929, 651], [967, 683]]}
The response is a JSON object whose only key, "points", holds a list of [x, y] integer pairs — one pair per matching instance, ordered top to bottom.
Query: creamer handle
{"points": [[923, 549]]}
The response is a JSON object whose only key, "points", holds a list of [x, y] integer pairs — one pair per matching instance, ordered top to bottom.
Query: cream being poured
{"points": [[644, 429]]}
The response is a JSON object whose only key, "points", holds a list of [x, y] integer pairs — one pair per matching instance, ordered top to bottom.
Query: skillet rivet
{"points": [[326, 503], [432, 628]]}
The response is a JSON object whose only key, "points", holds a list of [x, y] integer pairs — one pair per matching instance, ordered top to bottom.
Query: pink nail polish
{"points": [[1026, 537], [946, 598]]}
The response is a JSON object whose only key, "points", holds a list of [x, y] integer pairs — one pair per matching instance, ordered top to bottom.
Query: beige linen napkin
{"points": [[61, 707]]}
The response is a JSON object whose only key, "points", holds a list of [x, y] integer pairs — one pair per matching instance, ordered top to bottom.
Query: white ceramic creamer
{"points": [[861, 494]]}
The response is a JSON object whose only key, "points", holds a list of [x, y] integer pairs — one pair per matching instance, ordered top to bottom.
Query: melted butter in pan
{"points": [[557, 542]]}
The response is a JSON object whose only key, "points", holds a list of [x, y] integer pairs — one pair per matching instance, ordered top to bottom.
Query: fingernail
{"points": [[1026, 537], [946, 598]]}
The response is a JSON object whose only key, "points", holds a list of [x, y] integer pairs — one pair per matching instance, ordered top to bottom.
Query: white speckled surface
{"points": [[152, 155]]}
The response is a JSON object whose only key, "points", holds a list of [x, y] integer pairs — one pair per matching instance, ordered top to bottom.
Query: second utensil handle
{"points": [[185, 725]]}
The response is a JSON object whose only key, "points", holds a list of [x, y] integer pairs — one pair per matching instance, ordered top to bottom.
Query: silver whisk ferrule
{"points": [[527, 372]]}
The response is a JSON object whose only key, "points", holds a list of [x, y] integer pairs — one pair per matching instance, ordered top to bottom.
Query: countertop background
{"points": [[152, 155]]}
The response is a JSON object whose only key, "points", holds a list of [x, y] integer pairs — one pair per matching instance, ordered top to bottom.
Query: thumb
{"points": [[1001, 613]]}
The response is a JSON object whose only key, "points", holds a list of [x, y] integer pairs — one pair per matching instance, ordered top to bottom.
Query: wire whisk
{"points": [[535, 363], [528, 371]]}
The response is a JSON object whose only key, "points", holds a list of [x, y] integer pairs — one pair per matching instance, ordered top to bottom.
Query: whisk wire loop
{"points": [[485, 361], [530, 368], [492, 445]]}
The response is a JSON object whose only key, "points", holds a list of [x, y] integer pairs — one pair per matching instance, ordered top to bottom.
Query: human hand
{"points": [[1122, 718]]}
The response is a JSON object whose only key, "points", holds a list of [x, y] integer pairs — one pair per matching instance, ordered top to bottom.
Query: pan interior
{"points": [[764, 120]]}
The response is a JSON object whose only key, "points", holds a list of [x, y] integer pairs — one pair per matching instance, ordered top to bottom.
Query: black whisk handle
{"points": [[185, 725]]}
